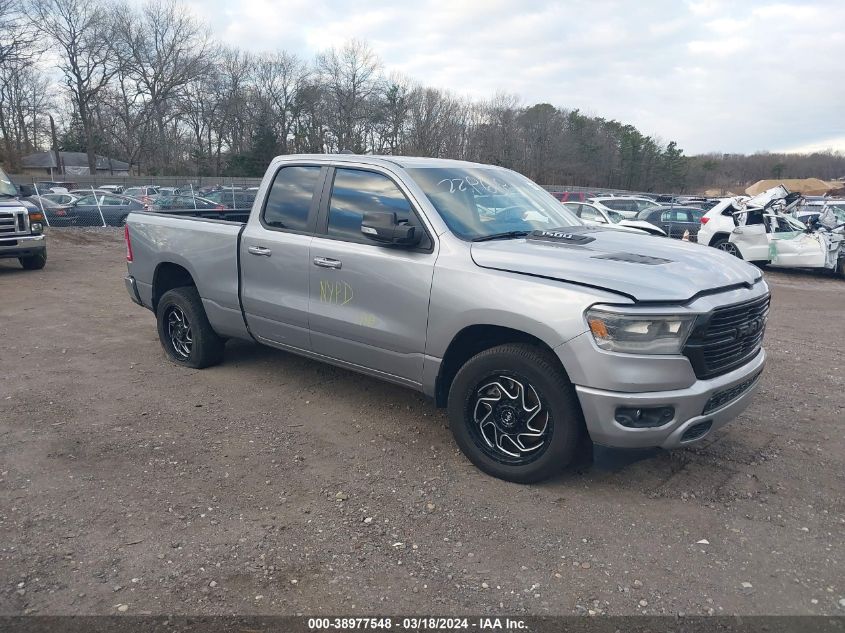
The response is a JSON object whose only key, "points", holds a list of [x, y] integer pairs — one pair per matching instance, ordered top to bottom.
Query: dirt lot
{"points": [[273, 484]]}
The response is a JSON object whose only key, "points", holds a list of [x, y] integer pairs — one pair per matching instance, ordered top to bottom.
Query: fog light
{"points": [[644, 417]]}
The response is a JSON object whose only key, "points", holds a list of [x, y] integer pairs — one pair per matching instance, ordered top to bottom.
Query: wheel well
{"points": [[718, 236], [167, 277], [469, 342]]}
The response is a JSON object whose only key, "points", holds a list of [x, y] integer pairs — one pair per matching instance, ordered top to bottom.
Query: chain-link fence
{"points": [[93, 201]]}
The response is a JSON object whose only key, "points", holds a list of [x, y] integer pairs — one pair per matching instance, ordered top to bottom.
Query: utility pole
{"points": [[56, 155]]}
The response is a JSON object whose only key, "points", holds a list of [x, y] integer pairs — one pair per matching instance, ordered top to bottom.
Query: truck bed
{"points": [[207, 249]]}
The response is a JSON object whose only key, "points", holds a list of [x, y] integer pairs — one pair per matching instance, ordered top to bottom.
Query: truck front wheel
{"points": [[34, 262], [183, 328], [514, 413]]}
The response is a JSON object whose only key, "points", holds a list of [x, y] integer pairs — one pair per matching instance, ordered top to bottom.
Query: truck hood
{"points": [[14, 203], [642, 267]]}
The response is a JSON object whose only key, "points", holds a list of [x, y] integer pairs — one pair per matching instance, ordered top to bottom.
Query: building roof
{"points": [[46, 160]]}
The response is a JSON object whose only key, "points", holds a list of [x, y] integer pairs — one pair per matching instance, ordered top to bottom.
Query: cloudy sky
{"points": [[715, 76]]}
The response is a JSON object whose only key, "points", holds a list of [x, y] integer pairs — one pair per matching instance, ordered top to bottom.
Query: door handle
{"points": [[259, 250], [327, 262]]}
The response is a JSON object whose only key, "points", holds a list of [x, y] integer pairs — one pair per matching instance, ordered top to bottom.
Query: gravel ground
{"points": [[276, 485]]}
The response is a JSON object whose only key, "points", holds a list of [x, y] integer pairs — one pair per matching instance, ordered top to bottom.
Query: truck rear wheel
{"points": [[34, 262], [183, 328], [514, 413]]}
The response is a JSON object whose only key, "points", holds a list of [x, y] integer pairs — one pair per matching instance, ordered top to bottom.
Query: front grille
{"points": [[12, 223], [727, 338], [726, 396]]}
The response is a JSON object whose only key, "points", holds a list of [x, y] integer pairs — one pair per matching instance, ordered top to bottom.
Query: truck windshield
{"points": [[6, 186], [477, 201]]}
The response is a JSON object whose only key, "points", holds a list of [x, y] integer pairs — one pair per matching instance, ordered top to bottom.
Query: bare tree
{"points": [[82, 33], [163, 48], [279, 79], [350, 80]]}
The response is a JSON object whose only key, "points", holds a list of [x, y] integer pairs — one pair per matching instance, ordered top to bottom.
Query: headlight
{"points": [[639, 334]]}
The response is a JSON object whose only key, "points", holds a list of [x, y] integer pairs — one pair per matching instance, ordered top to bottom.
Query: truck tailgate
{"points": [[207, 249]]}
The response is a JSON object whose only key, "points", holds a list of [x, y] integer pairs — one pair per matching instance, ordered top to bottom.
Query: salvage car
{"points": [[628, 206], [811, 209], [598, 215], [21, 228], [784, 242], [534, 330]]}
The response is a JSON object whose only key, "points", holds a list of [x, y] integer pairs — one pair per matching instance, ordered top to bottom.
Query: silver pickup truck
{"points": [[469, 283]]}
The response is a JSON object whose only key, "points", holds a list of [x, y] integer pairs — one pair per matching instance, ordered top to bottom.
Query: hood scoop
{"points": [[633, 258]]}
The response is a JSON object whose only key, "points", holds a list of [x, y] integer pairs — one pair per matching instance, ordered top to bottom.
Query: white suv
{"points": [[718, 222]]}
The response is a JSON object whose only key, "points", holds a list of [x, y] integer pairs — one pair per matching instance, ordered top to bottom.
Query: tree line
{"points": [[148, 85]]}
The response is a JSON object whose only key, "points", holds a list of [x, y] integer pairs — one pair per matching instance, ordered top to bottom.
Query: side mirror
{"points": [[384, 228]]}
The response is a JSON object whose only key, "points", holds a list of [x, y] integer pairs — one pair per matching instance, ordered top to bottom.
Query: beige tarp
{"points": [[807, 186], [718, 193]]}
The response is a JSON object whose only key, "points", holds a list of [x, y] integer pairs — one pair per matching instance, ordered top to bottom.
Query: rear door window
{"points": [[289, 200], [676, 215]]}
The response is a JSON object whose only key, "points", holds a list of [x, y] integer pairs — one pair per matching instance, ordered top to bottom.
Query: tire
{"points": [[723, 244], [34, 262], [193, 343], [480, 421]]}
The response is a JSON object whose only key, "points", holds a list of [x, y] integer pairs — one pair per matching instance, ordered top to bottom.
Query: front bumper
{"points": [[22, 246], [730, 393]]}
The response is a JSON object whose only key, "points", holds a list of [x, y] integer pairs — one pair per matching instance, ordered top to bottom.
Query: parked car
{"points": [[46, 186], [112, 188], [85, 192], [144, 194], [63, 199], [232, 199], [168, 202], [628, 206], [114, 209], [56, 214], [596, 214], [675, 221], [21, 228], [531, 327]]}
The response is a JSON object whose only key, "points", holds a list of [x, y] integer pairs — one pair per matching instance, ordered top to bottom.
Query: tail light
{"points": [[704, 220], [128, 243]]}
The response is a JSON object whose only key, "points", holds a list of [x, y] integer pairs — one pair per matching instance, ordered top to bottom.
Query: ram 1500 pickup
{"points": [[21, 228], [472, 284]]}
